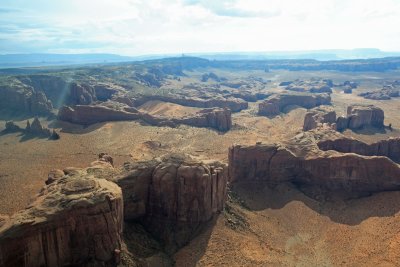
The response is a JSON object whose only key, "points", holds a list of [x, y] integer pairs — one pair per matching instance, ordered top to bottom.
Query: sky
{"points": [[143, 27]]}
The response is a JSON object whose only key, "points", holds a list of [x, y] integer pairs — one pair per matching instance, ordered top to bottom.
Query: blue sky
{"points": [[138, 27]]}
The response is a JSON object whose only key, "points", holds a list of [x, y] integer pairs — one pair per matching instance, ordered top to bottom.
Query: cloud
{"points": [[229, 8], [134, 27]]}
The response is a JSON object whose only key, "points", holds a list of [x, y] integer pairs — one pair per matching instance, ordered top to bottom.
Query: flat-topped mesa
{"points": [[310, 86], [389, 90], [234, 104], [276, 104], [365, 115], [358, 117], [217, 118], [303, 163], [173, 196], [75, 221]]}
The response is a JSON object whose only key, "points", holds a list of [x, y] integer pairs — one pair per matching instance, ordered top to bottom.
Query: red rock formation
{"points": [[24, 99], [277, 103], [234, 104], [89, 114], [365, 115], [319, 116], [216, 118], [389, 148], [303, 163], [174, 196], [75, 221]]}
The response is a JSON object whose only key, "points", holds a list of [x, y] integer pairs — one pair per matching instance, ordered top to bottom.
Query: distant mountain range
{"points": [[43, 59]]}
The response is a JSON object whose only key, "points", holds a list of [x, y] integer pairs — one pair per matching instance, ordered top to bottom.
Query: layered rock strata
{"points": [[234, 104], [276, 104], [358, 117], [219, 119], [389, 148], [302, 162], [174, 196], [75, 221]]}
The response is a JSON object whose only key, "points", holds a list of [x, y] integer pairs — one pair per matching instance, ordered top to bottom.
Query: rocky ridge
{"points": [[276, 104], [358, 117], [217, 118], [302, 162]]}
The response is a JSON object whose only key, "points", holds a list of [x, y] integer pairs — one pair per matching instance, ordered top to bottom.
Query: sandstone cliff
{"points": [[20, 98], [277, 103], [234, 104], [318, 116], [358, 117], [219, 119], [389, 148], [302, 162], [173, 196], [75, 221]]}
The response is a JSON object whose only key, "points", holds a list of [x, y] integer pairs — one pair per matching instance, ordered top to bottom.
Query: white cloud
{"points": [[135, 27]]}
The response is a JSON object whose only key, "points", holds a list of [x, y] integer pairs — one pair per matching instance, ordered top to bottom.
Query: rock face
{"points": [[81, 94], [24, 99], [277, 103], [234, 104], [89, 114], [319, 116], [360, 116], [217, 118], [389, 148], [302, 162], [173, 196], [75, 221]]}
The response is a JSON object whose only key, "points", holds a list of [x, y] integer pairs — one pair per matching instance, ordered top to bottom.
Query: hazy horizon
{"points": [[135, 27]]}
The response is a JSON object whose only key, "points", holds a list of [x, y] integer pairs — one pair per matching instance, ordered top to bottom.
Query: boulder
{"points": [[75, 221]]}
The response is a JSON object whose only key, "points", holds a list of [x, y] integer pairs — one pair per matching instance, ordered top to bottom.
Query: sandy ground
{"points": [[165, 109], [286, 228]]}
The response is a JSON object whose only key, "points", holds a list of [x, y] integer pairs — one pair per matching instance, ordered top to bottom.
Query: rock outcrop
{"points": [[310, 86], [389, 90], [20, 98], [234, 104], [276, 104], [318, 116], [361, 116], [358, 117], [217, 118], [35, 129], [389, 148], [303, 163], [173, 196], [75, 221]]}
